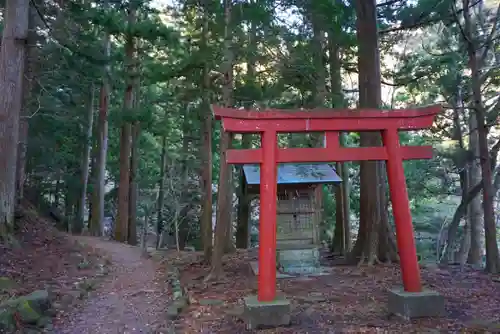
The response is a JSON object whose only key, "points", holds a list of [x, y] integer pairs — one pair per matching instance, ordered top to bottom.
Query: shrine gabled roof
{"points": [[295, 173]]}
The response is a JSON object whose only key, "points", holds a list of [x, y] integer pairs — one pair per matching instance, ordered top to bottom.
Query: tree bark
{"points": [[470, 38], [318, 56], [12, 62], [28, 86], [134, 162], [206, 169], [161, 191], [467, 197], [185, 201], [68, 207], [474, 211], [223, 213], [243, 213], [80, 215], [122, 219], [243, 220], [96, 223], [121, 226], [144, 233], [451, 237], [342, 238], [367, 245], [230, 246], [387, 248]]}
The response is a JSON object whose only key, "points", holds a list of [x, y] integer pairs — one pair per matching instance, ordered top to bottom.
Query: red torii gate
{"points": [[330, 121]]}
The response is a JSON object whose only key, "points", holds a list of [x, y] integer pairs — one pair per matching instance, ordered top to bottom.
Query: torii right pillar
{"points": [[411, 300]]}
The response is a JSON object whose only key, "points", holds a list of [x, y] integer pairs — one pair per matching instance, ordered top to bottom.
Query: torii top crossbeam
{"points": [[325, 119], [272, 121], [330, 121]]}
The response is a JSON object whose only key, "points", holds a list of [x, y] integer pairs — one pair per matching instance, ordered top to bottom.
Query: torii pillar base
{"points": [[411, 305], [259, 314]]}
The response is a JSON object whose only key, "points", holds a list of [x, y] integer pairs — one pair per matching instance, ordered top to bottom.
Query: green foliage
{"points": [[428, 67]]}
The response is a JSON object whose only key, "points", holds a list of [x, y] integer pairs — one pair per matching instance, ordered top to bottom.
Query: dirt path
{"points": [[131, 300]]}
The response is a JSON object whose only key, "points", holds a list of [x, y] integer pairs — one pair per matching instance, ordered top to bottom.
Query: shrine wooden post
{"points": [[270, 122]]}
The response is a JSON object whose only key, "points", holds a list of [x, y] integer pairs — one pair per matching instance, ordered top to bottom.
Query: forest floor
{"points": [[95, 285], [100, 286], [132, 300], [348, 300]]}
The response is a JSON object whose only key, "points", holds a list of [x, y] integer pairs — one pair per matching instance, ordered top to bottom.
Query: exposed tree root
{"points": [[3, 236], [7, 239], [370, 261], [214, 274]]}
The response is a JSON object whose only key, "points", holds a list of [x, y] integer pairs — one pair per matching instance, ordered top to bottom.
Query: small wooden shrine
{"points": [[299, 211]]}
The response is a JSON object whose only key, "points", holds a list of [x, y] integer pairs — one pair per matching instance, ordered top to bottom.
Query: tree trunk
{"points": [[470, 39], [318, 57], [12, 62], [28, 85], [319, 89], [134, 154], [134, 161], [206, 168], [161, 191], [185, 201], [68, 207], [474, 211], [243, 213], [80, 215], [243, 216], [457, 216], [122, 218], [223, 220], [96, 224], [121, 226], [183, 226], [176, 233], [144, 234], [451, 237], [342, 239], [367, 244], [465, 245], [230, 247], [387, 248]]}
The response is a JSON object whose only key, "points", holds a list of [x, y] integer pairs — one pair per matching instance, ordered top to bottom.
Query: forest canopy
{"points": [[110, 126]]}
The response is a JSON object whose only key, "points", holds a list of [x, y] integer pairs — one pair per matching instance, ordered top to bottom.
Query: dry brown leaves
{"points": [[45, 257], [354, 299]]}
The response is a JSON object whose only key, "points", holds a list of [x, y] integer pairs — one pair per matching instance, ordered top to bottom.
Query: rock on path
{"points": [[131, 300]]}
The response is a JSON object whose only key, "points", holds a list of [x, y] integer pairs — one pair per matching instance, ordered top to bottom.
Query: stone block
{"points": [[299, 261], [254, 265], [411, 305], [259, 314]]}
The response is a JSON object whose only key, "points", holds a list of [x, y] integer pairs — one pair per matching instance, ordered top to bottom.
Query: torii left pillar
{"points": [[267, 308]]}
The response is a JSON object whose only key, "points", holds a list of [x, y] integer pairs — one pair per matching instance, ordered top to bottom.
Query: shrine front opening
{"points": [[412, 301]]}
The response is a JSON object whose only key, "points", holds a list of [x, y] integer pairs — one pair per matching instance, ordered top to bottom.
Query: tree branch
{"points": [[388, 3], [420, 24], [491, 36], [392, 84], [457, 216]]}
